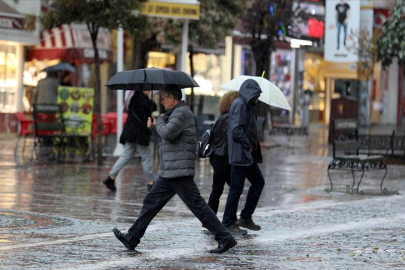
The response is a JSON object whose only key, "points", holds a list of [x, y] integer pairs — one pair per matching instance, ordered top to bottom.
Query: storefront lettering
{"points": [[162, 9], [176, 10], [189, 11], [6, 23], [11, 23], [89, 53]]}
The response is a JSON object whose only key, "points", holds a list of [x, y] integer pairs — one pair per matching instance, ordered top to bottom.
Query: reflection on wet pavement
{"points": [[61, 216]]}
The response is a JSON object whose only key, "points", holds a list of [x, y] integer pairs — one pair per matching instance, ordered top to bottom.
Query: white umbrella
{"points": [[271, 94]]}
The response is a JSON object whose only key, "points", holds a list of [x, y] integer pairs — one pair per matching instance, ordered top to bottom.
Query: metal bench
{"points": [[281, 125], [346, 146]]}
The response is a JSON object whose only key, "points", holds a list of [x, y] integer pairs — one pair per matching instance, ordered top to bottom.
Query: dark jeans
{"points": [[222, 175], [238, 175], [162, 191]]}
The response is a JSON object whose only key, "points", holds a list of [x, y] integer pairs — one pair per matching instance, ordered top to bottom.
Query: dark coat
{"points": [[242, 127], [135, 129], [221, 135]]}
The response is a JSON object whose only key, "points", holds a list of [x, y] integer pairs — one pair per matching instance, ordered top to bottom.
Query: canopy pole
{"points": [[119, 148]]}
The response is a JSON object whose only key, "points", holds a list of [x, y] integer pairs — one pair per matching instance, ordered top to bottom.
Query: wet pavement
{"points": [[55, 216]]}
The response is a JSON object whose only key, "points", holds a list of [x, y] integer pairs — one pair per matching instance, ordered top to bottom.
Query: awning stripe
{"points": [[67, 36], [57, 38], [47, 39], [71, 43]]}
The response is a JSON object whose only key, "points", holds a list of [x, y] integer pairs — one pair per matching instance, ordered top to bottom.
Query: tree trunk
{"points": [[136, 52], [261, 52], [143, 54], [97, 96], [200, 104]]}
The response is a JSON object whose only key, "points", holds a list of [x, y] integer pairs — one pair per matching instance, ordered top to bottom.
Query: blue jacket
{"points": [[242, 127]]}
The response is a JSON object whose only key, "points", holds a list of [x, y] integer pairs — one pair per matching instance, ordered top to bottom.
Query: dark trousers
{"points": [[222, 175], [238, 175], [162, 191]]}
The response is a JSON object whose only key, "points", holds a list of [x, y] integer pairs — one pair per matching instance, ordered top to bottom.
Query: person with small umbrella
{"points": [[47, 89], [176, 127], [244, 155], [219, 158]]}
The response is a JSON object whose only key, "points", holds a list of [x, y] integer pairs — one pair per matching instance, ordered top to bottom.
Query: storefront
{"points": [[19, 27], [72, 44], [312, 98]]}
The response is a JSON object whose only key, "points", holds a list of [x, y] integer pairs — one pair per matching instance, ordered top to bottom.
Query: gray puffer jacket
{"points": [[178, 148]]}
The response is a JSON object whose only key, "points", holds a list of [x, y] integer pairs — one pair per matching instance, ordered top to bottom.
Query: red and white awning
{"points": [[71, 43]]}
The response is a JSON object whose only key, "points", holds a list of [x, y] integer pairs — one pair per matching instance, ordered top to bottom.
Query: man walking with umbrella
{"points": [[176, 127]]}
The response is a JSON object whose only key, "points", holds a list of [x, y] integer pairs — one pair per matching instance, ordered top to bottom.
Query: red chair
{"points": [[111, 117], [105, 124], [106, 127], [27, 128]]}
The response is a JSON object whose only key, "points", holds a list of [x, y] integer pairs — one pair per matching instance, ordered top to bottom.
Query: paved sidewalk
{"points": [[60, 216]]}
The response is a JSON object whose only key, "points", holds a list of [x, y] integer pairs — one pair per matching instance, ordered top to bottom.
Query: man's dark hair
{"points": [[172, 90]]}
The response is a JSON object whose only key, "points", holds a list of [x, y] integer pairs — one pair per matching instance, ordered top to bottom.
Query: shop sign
{"points": [[171, 10], [342, 19], [11, 22], [77, 105]]}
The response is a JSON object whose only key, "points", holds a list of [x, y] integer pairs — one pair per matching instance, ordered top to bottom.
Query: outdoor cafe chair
{"points": [[26, 128]]}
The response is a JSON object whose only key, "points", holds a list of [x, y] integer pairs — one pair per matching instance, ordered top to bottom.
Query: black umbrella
{"points": [[62, 66], [150, 79]]}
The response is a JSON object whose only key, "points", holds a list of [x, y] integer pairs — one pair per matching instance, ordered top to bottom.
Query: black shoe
{"points": [[110, 183], [248, 223], [235, 230], [123, 237], [224, 246]]}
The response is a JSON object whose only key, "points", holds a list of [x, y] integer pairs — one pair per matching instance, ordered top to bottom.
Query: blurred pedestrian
{"points": [[47, 89], [127, 98], [176, 127], [136, 136], [244, 154], [219, 158]]}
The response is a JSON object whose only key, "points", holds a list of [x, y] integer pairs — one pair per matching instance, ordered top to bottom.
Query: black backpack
{"points": [[206, 144]]}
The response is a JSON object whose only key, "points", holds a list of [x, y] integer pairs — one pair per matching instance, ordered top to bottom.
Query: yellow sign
{"points": [[171, 10], [344, 70], [77, 107]]}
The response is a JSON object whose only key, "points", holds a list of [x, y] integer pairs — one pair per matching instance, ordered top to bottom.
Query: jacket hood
{"points": [[249, 89]]}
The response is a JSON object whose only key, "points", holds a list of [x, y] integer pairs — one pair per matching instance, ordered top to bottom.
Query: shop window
{"points": [[8, 77]]}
